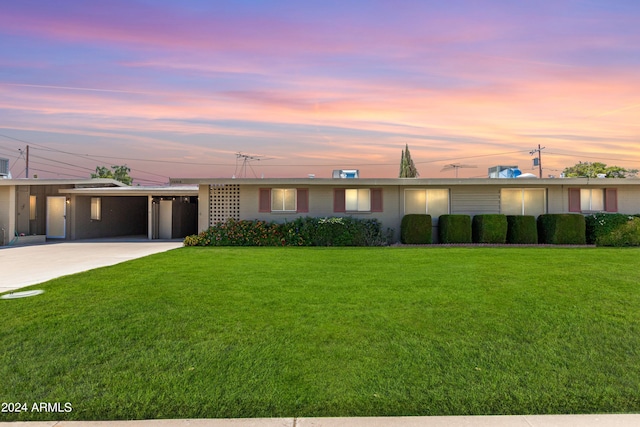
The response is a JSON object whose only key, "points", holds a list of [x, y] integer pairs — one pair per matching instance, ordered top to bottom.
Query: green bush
{"points": [[601, 224], [490, 228], [415, 229], [454, 229], [522, 229], [562, 229], [336, 231], [627, 234]]}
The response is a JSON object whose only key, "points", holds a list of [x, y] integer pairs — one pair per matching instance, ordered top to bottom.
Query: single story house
{"points": [[388, 200], [39, 209], [33, 210]]}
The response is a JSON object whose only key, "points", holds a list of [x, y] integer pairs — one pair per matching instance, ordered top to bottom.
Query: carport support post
{"points": [[150, 217]]}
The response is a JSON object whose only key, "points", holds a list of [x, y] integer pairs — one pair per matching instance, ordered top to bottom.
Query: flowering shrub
{"points": [[602, 224], [300, 232], [627, 234]]}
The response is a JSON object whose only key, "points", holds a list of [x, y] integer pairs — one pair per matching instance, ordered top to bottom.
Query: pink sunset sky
{"points": [[178, 88]]}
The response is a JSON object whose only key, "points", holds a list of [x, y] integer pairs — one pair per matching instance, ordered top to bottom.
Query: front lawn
{"points": [[283, 332]]}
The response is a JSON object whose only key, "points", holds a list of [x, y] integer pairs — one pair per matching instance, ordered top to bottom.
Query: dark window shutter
{"points": [[265, 200], [303, 200], [376, 200], [574, 200], [611, 200], [339, 204]]}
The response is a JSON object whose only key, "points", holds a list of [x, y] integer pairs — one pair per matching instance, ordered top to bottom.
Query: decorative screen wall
{"points": [[224, 202]]}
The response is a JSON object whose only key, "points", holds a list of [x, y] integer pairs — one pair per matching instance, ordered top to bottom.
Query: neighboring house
{"points": [[389, 200], [33, 210]]}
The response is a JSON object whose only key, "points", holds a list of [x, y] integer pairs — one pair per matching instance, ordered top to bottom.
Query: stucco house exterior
{"points": [[388, 200], [39, 209], [33, 210]]}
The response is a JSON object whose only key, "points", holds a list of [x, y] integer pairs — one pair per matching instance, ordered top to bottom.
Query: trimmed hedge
{"points": [[489, 228], [415, 229], [454, 229], [522, 229], [562, 229], [334, 231]]}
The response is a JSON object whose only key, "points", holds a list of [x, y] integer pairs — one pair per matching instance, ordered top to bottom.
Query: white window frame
{"points": [[361, 197], [522, 198], [584, 198], [284, 199], [426, 199], [33, 204], [96, 209]]}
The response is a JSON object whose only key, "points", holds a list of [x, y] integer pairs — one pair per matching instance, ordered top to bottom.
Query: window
{"points": [[283, 200], [357, 200], [593, 200], [523, 201], [434, 202], [32, 207], [96, 209]]}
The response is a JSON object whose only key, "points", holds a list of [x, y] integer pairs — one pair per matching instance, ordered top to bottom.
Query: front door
{"points": [[56, 217]]}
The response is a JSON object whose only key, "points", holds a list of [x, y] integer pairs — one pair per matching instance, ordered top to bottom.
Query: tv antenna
{"points": [[246, 162], [456, 166]]}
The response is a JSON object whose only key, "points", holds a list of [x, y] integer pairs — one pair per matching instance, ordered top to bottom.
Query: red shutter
{"points": [[303, 200], [376, 200], [574, 200], [611, 200], [264, 204], [339, 204]]}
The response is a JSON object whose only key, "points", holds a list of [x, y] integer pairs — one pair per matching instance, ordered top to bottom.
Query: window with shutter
{"points": [[303, 200], [339, 200], [376, 200], [574, 200], [611, 200], [264, 204]]}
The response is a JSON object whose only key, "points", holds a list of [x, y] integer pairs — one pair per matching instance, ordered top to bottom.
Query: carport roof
{"points": [[87, 182], [172, 190]]}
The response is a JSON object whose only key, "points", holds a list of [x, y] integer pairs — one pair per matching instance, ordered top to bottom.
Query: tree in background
{"points": [[407, 167], [592, 169], [119, 173]]}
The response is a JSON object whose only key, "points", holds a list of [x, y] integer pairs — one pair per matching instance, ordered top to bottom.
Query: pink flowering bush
{"points": [[335, 231]]}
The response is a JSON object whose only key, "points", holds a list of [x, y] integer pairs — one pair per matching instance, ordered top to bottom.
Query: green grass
{"points": [[282, 332]]}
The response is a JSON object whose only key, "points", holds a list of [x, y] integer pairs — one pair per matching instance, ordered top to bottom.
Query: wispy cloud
{"points": [[332, 83]]}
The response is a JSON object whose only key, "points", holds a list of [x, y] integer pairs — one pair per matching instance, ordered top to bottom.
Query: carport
{"points": [[158, 212]]}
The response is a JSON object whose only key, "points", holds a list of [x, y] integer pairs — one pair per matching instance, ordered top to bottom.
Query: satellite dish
{"points": [[526, 175]]}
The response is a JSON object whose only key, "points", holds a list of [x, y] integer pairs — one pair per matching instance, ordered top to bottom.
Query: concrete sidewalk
{"points": [[28, 265], [614, 420]]}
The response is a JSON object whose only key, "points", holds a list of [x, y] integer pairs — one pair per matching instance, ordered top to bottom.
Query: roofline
{"points": [[63, 181], [408, 181], [191, 190]]}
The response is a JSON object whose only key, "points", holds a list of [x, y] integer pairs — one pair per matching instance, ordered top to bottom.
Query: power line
{"points": [[586, 157]]}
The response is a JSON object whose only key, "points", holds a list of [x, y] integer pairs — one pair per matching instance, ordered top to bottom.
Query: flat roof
{"points": [[99, 182], [431, 182], [175, 190]]}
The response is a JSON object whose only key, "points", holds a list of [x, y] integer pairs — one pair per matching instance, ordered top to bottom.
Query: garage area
{"points": [[155, 212]]}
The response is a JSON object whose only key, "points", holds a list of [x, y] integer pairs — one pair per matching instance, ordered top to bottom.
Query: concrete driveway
{"points": [[22, 266]]}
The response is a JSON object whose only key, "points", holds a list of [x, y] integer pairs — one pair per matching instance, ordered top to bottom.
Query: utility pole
{"points": [[22, 153], [538, 161]]}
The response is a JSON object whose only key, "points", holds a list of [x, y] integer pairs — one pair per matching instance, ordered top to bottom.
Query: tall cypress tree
{"points": [[407, 167]]}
